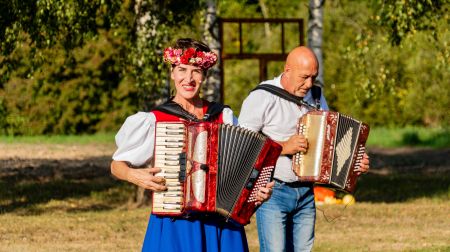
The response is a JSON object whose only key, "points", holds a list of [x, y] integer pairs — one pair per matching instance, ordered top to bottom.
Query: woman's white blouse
{"points": [[135, 139]]}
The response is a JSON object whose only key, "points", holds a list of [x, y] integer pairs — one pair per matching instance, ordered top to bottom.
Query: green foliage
{"points": [[402, 17], [166, 19], [52, 22], [63, 66], [70, 67], [241, 76], [366, 76], [379, 83], [87, 95]]}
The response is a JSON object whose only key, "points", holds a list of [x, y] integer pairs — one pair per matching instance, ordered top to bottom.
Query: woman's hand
{"points": [[364, 167], [145, 178], [264, 193]]}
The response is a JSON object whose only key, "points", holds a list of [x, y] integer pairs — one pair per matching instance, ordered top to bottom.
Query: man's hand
{"points": [[295, 144], [364, 167]]}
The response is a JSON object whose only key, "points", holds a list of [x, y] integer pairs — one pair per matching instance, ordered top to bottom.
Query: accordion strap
{"points": [[284, 94], [172, 108], [214, 110]]}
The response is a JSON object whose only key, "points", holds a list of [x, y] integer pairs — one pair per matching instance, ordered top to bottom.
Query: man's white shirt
{"points": [[276, 118]]}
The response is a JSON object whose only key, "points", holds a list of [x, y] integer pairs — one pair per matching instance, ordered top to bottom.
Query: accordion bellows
{"points": [[336, 145], [211, 168]]}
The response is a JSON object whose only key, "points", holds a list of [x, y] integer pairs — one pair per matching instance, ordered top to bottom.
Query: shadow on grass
{"points": [[439, 139], [398, 175], [30, 185], [34, 186], [402, 187], [101, 193]]}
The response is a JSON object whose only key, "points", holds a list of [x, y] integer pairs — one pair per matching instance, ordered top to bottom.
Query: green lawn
{"points": [[409, 136], [378, 137], [61, 139], [395, 211], [409, 212]]}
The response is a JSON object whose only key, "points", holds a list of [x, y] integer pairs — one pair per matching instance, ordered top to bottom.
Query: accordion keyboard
{"points": [[170, 158]]}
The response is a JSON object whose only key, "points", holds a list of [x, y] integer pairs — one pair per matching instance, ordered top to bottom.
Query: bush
{"points": [[84, 92]]}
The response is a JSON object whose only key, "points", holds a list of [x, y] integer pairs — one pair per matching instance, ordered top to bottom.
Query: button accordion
{"points": [[336, 145], [211, 168]]}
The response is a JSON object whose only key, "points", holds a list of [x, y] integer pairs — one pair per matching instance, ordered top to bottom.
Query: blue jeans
{"points": [[286, 221]]}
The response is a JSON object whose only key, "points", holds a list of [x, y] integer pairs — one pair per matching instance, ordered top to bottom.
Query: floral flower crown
{"points": [[190, 56]]}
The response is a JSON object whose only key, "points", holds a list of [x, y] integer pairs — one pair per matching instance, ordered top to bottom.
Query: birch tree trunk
{"points": [[265, 13], [315, 30], [146, 31], [150, 34], [211, 87]]}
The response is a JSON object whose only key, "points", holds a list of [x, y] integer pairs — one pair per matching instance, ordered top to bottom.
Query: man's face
{"points": [[300, 78], [187, 80]]}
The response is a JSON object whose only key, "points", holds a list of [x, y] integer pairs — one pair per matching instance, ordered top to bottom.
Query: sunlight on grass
{"points": [[410, 136], [378, 137], [101, 138]]}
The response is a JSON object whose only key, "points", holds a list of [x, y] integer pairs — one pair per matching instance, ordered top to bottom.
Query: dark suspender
{"points": [[284, 94], [173, 108], [214, 110]]}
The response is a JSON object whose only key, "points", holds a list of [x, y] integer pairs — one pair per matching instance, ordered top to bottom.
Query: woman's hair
{"points": [[185, 43]]}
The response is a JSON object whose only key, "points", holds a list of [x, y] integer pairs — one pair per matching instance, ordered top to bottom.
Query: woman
{"points": [[189, 60]]}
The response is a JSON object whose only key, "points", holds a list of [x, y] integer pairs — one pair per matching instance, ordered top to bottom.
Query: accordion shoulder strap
{"points": [[283, 94], [173, 108], [214, 110]]}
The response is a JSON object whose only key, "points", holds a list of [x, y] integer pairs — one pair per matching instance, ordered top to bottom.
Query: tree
{"points": [[401, 18], [315, 30], [35, 35], [49, 46], [211, 88]]}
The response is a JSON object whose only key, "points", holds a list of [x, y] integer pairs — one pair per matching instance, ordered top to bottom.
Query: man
{"points": [[286, 221]]}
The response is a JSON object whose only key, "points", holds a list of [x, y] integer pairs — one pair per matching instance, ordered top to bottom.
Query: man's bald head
{"points": [[301, 56], [300, 71]]}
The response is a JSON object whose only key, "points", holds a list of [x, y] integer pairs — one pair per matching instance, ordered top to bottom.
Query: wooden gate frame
{"points": [[263, 58]]}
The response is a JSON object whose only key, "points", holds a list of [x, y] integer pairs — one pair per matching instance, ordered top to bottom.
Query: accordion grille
{"points": [[346, 139], [238, 151]]}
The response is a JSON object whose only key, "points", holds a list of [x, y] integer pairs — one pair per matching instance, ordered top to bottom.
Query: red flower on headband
{"points": [[187, 55], [190, 56]]}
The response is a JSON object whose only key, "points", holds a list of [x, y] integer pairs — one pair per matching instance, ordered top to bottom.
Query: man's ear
{"points": [[287, 68]]}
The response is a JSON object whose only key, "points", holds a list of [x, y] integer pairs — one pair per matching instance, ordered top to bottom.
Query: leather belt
{"points": [[295, 183]]}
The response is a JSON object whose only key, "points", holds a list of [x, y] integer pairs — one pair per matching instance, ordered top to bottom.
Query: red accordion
{"points": [[336, 145], [211, 168]]}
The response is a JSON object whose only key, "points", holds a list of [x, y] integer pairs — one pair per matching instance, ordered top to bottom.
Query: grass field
{"points": [[381, 137], [403, 204], [396, 213], [414, 226]]}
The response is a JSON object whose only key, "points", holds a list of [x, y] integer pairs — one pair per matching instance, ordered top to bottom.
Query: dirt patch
{"points": [[55, 151], [44, 161]]}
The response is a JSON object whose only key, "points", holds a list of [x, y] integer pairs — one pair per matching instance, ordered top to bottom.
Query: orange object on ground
{"points": [[320, 193]]}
